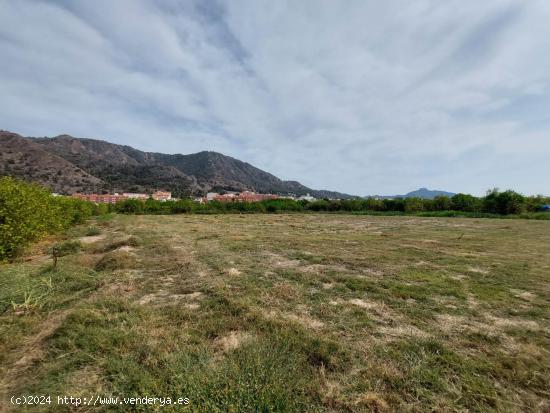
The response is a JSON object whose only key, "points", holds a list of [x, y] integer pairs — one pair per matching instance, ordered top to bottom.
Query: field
{"points": [[303, 312]]}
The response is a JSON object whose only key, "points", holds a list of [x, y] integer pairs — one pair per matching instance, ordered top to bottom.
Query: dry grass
{"points": [[290, 313]]}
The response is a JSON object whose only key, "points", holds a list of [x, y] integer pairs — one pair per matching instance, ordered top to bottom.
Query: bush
{"points": [[507, 202], [441, 203], [466, 203], [501, 203], [535, 203], [414, 205], [129, 206], [28, 211], [91, 231], [66, 248], [115, 260]]}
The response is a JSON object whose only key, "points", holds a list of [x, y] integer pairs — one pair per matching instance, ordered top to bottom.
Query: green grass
{"points": [[285, 313]]}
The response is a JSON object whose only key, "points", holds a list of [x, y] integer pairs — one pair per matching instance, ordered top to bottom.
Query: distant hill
{"points": [[25, 158], [67, 164], [419, 193]]}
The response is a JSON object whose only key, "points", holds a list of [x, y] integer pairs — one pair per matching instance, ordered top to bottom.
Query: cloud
{"points": [[361, 96]]}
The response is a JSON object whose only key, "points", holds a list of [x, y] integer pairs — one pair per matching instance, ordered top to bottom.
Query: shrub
{"points": [[464, 202], [507, 202], [441, 203], [535, 203], [414, 205], [129, 206], [28, 211], [91, 231], [66, 248], [115, 260]]}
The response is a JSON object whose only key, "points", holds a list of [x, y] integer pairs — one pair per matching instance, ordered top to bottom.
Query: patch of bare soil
{"points": [[91, 239], [126, 248], [38, 259], [281, 261], [322, 268], [478, 270], [233, 271], [372, 271], [120, 288], [525, 295], [164, 297], [370, 305], [377, 309], [302, 318], [306, 320], [512, 323], [489, 324], [405, 330], [231, 341], [81, 382], [374, 402]]}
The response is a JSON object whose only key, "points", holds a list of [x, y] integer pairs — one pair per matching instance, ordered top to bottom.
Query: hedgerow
{"points": [[494, 204], [28, 211]]}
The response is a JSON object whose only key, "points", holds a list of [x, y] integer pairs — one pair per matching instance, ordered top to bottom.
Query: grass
{"points": [[327, 313]]}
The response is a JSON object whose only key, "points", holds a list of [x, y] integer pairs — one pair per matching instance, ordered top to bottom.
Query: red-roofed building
{"points": [[162, 196], [245, 196], [101, 198]]}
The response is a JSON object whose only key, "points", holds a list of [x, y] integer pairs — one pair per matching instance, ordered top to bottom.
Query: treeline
{"points": [[495, 202], [28, 211]]}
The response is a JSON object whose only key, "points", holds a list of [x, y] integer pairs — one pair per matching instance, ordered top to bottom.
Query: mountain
{"points": [[24, 158], [67, 164], [419, 193]]}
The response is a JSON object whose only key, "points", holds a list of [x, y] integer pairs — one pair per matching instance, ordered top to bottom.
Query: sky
{"points": [[359, 96]]}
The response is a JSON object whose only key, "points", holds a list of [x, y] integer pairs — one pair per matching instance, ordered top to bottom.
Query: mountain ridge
{"points": [[93, 165], [423, 192]]}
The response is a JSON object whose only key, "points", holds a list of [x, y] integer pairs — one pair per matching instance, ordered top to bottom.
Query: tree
{"points": [[465, 202], [507, 202], [441, 203], [414, 205]]}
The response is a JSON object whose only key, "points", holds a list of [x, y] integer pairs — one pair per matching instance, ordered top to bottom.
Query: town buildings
{"points": [[131, 195], [161, 196], [245, 196], [307, 197], [101, 198], [114, 198]]}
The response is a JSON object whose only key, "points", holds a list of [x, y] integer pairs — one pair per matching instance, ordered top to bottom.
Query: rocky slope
{"points": [[67, 164]]}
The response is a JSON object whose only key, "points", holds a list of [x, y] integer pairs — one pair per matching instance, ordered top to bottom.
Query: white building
{"points": [[132, 195], [211, 195], [306, 197]]}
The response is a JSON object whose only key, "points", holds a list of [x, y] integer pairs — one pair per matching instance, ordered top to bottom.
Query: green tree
{"points": [[465, 202], [507, 202], [441, 203], [414, 205]]}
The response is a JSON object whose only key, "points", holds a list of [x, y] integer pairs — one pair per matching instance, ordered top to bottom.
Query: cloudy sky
{"points": [[365, 97]]}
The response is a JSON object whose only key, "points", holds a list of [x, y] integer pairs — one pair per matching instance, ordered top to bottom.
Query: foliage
{"points": [[465, 202], [508, 202], [494, 204], [414, 205], [28, 211], [91, 231], [66, 248]]}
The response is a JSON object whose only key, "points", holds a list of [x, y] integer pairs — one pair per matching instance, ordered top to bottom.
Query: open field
{"points": [[240, 313]]}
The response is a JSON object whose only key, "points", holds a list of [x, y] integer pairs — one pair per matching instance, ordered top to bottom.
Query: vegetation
{"points": [[495, 203], [27, 212], [284, 313]]}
